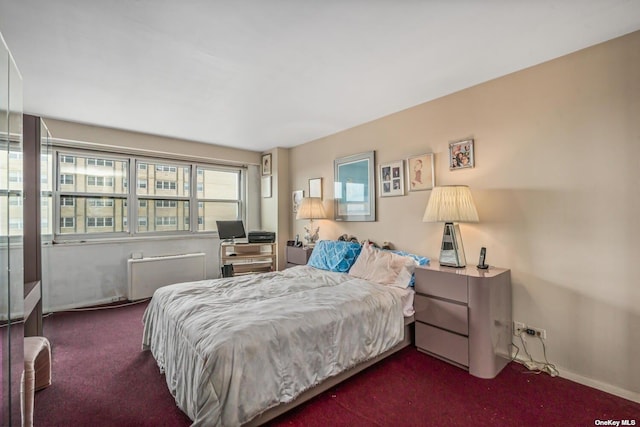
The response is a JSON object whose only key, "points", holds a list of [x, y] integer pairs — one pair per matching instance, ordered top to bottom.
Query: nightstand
{"points": [[297, 255], [463, 316]]}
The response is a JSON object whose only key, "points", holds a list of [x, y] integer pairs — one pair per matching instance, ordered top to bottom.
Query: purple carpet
{"points": [[102, 378]]}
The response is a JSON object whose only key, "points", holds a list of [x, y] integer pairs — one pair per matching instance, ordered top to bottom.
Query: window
{"points": [[67, 159], [100, 162], [165, 168], [15, 176], [66, 179], [100, 181], [166, 185], [92, 195], [219, 196], [97, 200], [67, 201], [100, 203], [166, 203], [166, 220], [67, 222], [100, 222]]}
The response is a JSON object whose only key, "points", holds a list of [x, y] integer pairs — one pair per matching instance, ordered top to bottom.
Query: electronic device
{"points": [[229, 230], [262, 237], [483, 254]]}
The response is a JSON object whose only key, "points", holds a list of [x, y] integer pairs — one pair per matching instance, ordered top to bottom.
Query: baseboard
{"points": [[85, 304], [590, 382]]}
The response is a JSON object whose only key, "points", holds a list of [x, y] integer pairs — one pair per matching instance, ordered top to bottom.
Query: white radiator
{"points": [[148, 274]]}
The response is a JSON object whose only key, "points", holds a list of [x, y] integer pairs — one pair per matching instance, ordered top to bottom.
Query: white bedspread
{"points": [[232, 348]]}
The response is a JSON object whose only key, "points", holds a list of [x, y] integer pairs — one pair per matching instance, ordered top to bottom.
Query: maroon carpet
{"points": [[102, 378]]}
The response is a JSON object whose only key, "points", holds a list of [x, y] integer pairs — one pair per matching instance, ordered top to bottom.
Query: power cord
{"points": [[71, 310], [533, 365]]}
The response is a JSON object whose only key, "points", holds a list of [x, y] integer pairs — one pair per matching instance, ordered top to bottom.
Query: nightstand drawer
{"points": [[298, 256], [442, 284], [443, 314], [442, 343]]}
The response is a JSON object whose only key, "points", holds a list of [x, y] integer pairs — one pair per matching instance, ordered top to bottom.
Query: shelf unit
{"points": [[249, 258]]}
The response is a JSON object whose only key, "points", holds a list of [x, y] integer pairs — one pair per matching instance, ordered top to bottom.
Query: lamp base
{"points": [[452, 251]]}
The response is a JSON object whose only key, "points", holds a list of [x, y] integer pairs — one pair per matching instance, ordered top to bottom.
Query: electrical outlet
{"points": [[518, 327], [538, 332]]}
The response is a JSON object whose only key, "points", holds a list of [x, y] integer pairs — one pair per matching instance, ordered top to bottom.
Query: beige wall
{"points": [[556, 186], [276, 209]]}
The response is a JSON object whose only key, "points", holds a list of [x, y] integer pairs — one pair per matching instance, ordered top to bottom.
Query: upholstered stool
{"points": [[36, 375]]}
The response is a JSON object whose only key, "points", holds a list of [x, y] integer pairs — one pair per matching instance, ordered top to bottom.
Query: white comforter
{"points": [[232, 348]]}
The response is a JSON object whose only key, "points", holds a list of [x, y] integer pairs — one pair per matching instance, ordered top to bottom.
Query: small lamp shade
{"points": [[451, 204], [311, 208]]}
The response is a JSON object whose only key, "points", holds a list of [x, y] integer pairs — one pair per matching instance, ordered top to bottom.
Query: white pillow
{"points": [[383, 267]]}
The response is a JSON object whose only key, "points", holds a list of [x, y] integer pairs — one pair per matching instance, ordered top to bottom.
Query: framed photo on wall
{"points": [[461, 154], [266, 164], [420, 170], [391, 178], [266, 186], [315, 187], [354, 188], [296, 198]]}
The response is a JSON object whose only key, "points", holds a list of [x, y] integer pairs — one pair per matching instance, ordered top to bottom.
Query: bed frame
{"points": [[276, 411]]}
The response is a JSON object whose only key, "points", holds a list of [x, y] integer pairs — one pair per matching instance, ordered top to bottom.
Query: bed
{"points": [[242, 350]]}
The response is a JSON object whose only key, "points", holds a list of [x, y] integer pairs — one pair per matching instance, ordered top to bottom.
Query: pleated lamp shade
{"points": [[452, 203]]}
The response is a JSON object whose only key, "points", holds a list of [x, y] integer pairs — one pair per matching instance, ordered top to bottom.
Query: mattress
{"points": [[233, 348]]}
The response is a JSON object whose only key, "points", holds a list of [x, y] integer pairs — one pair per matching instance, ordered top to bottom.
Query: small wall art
{"points": [[461, 154], [266, 164], [420, 170], [391, 179], [266, 186], [315, 187], [296, 198]]}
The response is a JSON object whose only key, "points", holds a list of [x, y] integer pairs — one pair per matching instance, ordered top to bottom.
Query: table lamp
{"points": [[451, 204], [311, 208]]}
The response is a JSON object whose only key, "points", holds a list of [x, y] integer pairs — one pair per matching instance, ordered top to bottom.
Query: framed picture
{"points": [[461, 154], [266, 164], [421, 172], [391, 179], [266, 186], [315, 187], [354, 190], [296, 198]]}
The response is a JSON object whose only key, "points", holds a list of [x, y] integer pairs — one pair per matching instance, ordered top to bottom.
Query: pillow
{"points": [[334, 255], [418, 259], [383, 267]]}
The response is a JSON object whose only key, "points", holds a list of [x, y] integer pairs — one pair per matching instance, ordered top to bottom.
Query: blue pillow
{"points": [[334, 255], [420, 260]]}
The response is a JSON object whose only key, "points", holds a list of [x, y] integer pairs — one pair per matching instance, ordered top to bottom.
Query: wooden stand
{"points": [[248, 258]]}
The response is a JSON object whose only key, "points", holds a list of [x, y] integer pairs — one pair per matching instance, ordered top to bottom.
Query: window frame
{"points": [[130, 197]]}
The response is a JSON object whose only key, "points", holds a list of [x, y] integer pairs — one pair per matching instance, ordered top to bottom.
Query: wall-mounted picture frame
{"points": [[461, 154], [266, 164], [421, 172], [391, 178], [266, 186], [315, 187], [354, 187], [296, 199]]}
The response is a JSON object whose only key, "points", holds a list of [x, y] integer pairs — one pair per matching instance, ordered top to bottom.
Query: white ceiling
{"points": [[257, 74]]}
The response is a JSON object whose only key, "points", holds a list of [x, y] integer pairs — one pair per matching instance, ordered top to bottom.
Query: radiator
{"points": [[148, 274]]}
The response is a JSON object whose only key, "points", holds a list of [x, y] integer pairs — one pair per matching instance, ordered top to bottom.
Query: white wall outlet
{"points": [[136, 255], [518, 327], [539, 332]]}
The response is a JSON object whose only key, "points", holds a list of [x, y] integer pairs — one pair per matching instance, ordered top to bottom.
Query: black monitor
{"points": [[229, 230]]}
